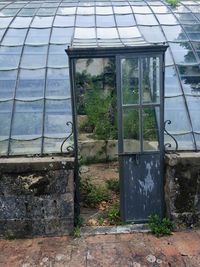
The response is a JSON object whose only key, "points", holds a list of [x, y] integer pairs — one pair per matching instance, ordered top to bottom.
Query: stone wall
{"points": [[182, 188], [36, 196]]}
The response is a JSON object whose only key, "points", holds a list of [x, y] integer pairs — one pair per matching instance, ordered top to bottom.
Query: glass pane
{"points": [[141, 9], [160, 9], [66, 10], [86, 10], [104, 10], [122, 10], [8, 12], [27, 12], [46, 12], [186, 18], [146, 19], [167, 19], [125, 20], [65, 21], [85, 21], [105, 21], [4, 22], [21, 22], [42, 22], [2, 31], [129, 32], [84, 33], [107, 33], [174, 33], [61, 35], [154, 35], [38, 36], [14, 37], [183, 53], [57, 56], [9, 57], [34, 57], [150, 80], [130, 81], [58, 83], [7, 84], [30, 84], [172, 86], [194, 109], [175, 111], [57, 114], [5, 119], [27, 120], [151, 122], [131, 132], [197, 138], [185, 142], [52, 145], [3, 147], [22, 147]]}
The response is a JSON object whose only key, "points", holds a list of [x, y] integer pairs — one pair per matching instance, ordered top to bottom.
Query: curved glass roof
{"points": [[34, 75]]}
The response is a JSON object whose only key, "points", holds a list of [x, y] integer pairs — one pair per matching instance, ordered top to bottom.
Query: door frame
{"points": [[105, 52]]}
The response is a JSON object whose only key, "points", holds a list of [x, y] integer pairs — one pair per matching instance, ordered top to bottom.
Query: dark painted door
{"points": [[140, 109]]}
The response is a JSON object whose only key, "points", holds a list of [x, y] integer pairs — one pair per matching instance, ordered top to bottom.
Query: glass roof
{"points": [[34, 73]]}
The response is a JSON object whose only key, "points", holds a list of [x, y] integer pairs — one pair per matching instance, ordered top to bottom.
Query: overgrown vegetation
{"points": [[173, 3], [113, 185], [91, 194], [111, 216], [160, 227]]}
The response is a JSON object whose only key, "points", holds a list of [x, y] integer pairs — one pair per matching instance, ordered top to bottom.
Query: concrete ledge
{"points": [[20, 165], [122, 229]]}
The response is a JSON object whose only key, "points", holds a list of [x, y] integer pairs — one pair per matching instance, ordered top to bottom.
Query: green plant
{"points": [[172, 3], [113, 184], [91, 194], [113, 214], [79, 221], [160, 227], [77, 231]]}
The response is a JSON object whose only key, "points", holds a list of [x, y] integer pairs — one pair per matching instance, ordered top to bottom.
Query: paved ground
{"points": [[138, 250]]}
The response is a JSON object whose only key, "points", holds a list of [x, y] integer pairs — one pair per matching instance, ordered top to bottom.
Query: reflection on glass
{"points": [[130, 80], [150, 80], [30, 84], [194, 109], [175, 111], [58, 112], [5, 118], [27, 120], [151, 123], [131, 132], [3, 147], [25, 147]]}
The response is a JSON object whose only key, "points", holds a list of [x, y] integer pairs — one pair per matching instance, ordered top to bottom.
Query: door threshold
{"points": [[121, 229]]}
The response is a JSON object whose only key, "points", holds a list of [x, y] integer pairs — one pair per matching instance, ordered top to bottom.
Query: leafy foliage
{"points": [[173, 3], [113, 184], [91, 194], [159, 226]]}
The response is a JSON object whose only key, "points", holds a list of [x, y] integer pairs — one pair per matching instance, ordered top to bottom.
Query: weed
{"points": [[172, 3], [113, 185], [93, 195], [113, 214], [101, 220], [79, 221], [160, 227], [77, 231]]}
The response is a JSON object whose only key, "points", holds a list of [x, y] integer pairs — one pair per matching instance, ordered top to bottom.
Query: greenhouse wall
{"points": [[36, 197]]}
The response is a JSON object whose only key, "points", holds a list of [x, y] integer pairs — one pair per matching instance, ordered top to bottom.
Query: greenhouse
{"points": [[34, 72], [99, 82]]}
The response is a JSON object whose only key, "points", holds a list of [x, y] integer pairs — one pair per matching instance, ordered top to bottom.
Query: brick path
{"points": [[137, 250]]}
